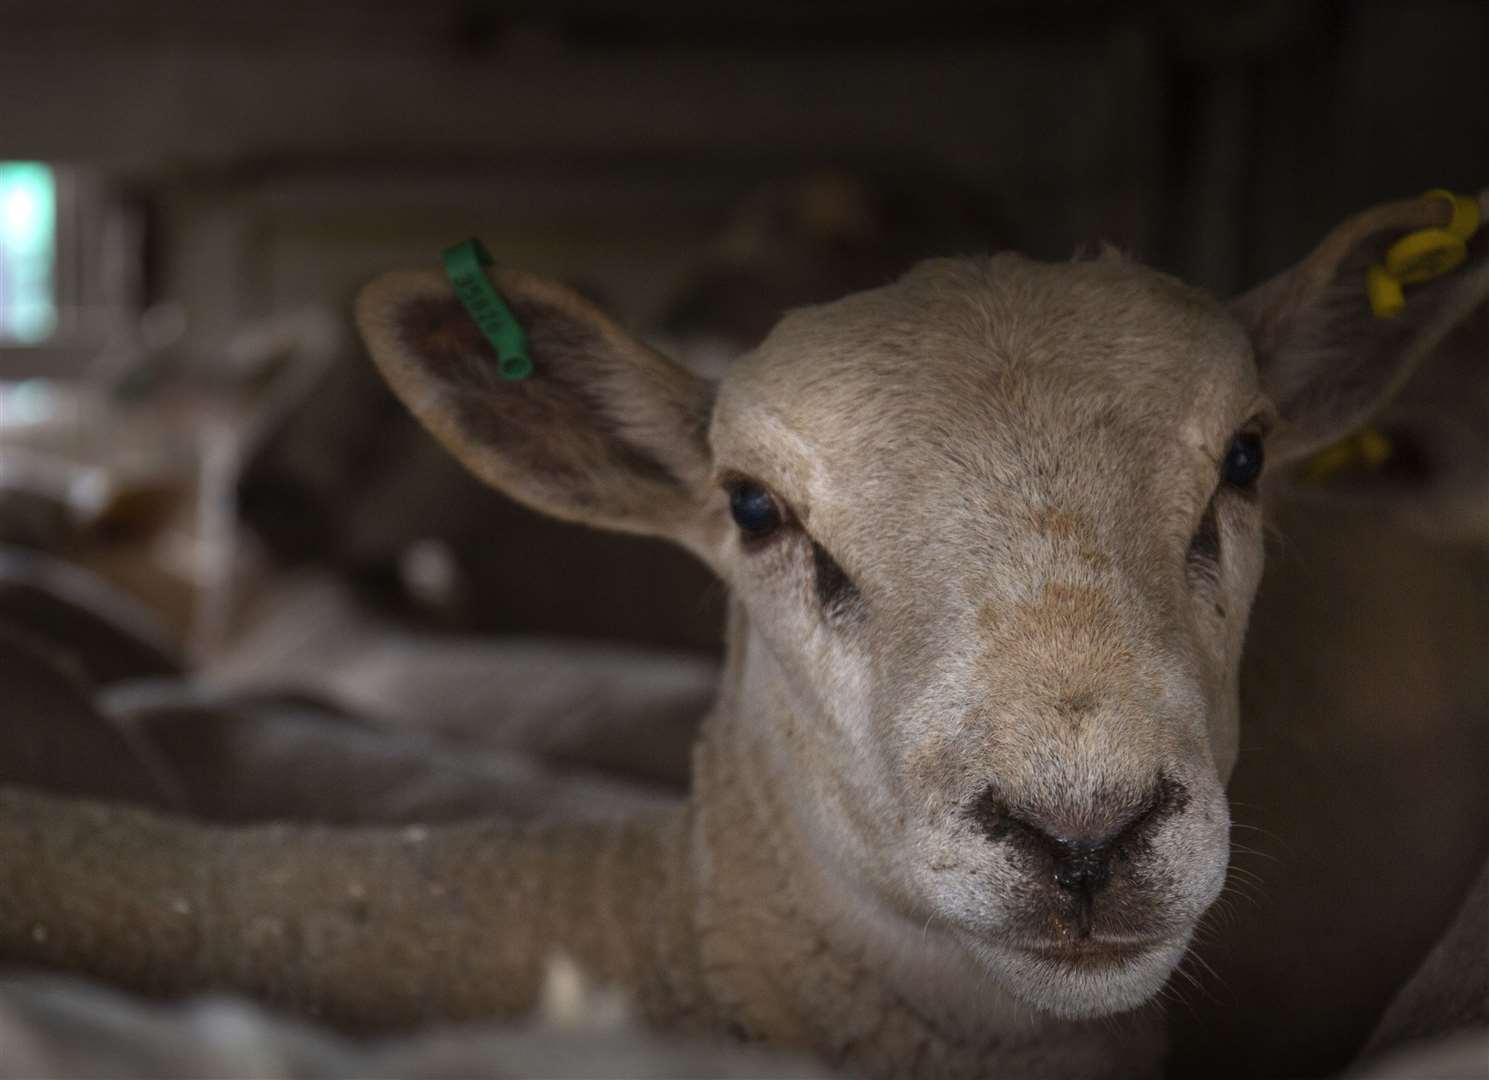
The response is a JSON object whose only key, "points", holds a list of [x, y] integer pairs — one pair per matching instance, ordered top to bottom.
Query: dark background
{"points": [[286, 150], [260, 160]]}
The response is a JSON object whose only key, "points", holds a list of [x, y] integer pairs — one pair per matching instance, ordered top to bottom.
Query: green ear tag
{"points": [[465, 266]]}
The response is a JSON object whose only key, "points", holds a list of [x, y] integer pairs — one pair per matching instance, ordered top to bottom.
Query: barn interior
{"points": [[215, 520]]}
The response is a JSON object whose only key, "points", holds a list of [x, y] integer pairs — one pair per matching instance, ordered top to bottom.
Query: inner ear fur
{"points": [[1325, 359], [605, 431]]}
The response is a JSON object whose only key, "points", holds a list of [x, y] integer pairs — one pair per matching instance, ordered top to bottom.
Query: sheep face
{"points": [[996, 534]]}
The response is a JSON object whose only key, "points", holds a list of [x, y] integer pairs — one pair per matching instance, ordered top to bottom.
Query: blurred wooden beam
{"points": [[1019, 108]]}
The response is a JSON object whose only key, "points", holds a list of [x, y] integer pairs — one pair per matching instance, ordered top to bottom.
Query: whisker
{"points": [[1256, 853], [1245, 873], [1240, 890], [1202, 962], [1199, 987]]}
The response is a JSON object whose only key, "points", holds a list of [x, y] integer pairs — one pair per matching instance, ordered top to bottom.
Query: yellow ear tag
{"points": [[1465, 220], [1422, 255], [1386, 296], [1375, 448], [1369, 449], [1330, 460]]}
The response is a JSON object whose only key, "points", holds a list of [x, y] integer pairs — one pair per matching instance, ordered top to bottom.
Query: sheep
{"points": [[992, 534], [92, 628], [1366, 699], [1366, 703], [627, 709], [76, 724], [53, 738], [239, 757], [1449, 993], [1438, 1022], [59, 1027], [1460, 1057]]}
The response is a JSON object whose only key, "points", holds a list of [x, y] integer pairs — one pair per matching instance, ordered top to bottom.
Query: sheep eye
{"points": [[1243, 461], [754, 509]]}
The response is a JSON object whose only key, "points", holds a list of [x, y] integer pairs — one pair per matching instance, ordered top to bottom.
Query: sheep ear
{"points": [[1326, 359], [605, 431], [1424, 461]]}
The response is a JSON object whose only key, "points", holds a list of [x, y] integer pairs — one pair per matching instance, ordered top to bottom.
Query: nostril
{"points": [[1081, 856], [1081, 864], [1081, 868]]}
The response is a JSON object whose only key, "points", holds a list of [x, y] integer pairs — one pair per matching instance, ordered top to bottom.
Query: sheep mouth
{"points": [[1094, 953], [1080, 978]]}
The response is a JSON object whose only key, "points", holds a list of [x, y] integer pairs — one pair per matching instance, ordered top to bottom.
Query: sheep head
{"points": [[992, 533]]}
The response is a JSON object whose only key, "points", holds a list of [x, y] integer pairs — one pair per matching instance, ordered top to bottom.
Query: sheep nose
{"points": [[1081, 857], [1082, 860]]}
